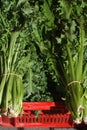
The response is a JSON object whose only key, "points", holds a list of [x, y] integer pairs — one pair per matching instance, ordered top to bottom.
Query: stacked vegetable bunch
{"points": [[73, 40], [22, 71], [11, 87]]}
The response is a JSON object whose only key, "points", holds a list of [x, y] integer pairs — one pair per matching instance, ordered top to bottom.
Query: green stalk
{"points": [[14, 36], [81, 51], [15, 57], [71, 65], [3, 77], [2, 85], [19, 92], [14, 93], [7, 96], [85, 106]]}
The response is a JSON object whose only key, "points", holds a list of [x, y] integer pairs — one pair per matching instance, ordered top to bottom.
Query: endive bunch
{"points": [[74, 64], [11, 86], [75, 88]]}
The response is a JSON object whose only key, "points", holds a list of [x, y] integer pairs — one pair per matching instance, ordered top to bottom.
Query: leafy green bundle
{"points": [[73, 41], [21, 70], [11, 87]]}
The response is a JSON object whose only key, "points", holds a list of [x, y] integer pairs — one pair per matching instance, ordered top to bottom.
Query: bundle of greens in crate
{"points": [[73, 41], [23, 74]]}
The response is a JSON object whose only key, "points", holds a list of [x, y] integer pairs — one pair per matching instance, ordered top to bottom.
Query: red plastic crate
{"points": [[53, 114]]}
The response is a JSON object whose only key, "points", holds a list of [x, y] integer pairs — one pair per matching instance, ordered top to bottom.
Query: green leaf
{"points": [[48, 13]]}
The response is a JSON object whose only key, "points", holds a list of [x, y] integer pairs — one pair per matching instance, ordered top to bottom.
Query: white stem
{"points": [[85, 120], [78, 121]]}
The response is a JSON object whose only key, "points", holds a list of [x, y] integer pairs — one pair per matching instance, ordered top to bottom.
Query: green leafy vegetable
{"points": [[74, 65], [22, 72]]}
